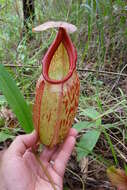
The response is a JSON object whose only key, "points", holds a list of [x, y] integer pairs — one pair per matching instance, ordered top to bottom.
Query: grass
{"points": [[101, 43]]}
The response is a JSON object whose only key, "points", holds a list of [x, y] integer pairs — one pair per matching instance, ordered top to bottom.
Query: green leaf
{"points": [[2, 100], [15, 100], [90, 112], [2, 121], [98, 122], [84, 125], [109, 126], [4, 136], [87, 143], [80, 153], [66, 188]]}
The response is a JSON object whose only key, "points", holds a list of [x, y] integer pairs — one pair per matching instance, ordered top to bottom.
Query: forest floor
{"points": [[100, 41]]}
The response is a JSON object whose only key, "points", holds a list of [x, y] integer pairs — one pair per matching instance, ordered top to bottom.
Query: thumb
{"points": [[22, 143]]}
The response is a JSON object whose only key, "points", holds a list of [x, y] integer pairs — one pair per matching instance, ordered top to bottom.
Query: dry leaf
{"points": [[70, 28], [123, 85], [7, 114], [83, 164], [118, 178]]}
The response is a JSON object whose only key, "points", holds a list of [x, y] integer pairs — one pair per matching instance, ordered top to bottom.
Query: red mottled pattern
{"points": [[37, 104], [69, 105], [49, 113], [56, 119]]}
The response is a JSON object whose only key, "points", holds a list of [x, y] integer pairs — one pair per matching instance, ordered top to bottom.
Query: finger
{"points": [[73, 132], [23, 142], [1, 154], [47, 154], [62, 158]]}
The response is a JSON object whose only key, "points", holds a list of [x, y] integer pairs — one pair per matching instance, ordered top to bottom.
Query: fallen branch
{"points": [[25, 66], [80, 70], [102, 72]]}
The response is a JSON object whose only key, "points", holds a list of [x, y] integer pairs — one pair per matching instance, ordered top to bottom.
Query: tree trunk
{"points": [[29, 14]]}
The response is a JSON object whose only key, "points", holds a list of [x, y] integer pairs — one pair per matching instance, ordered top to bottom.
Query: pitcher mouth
{"points": [[63, 37]]}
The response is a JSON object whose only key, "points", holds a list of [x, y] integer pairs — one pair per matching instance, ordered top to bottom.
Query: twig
{"points": [[25, 66], [80, 70], [102, 72], [118, 78], [121, 154], [75, 174]]}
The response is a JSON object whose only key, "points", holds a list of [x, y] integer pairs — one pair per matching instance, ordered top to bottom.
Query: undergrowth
{"points": [[101, 41]]}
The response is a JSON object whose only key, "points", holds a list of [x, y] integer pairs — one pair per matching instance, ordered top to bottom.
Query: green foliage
{"points": [[105, 22], [100, 41], [2, 100], [15, 100], [90, 112], [2, 122], [83, 125], [94, 128], [6, 134], [90, 138], [87, 143]]}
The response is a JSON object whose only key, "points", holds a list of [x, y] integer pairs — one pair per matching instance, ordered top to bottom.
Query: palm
{"points": [[35, 168], [22, 171]]}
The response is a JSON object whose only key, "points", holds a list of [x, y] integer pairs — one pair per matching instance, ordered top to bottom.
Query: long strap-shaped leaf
{"points": [[15, 100]]}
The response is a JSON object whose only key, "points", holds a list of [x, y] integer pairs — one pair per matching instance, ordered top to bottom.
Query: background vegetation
{"points": [[101, 42]]}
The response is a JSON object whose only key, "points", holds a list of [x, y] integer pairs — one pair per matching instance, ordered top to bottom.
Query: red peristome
{"points": [[72, 54]]}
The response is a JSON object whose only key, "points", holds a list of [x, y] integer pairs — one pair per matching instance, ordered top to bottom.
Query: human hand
{"points": [[20, 170]]}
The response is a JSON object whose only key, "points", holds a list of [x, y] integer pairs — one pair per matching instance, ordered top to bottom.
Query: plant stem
{"points": [[44, 170]]}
